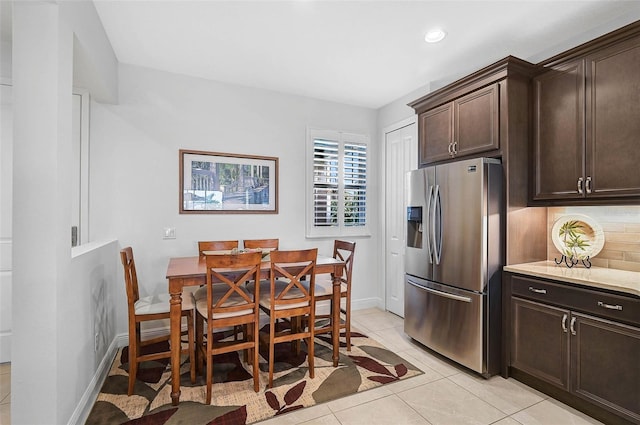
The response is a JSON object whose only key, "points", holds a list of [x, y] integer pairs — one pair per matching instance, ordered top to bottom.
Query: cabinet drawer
{"points": [[603, 304]]}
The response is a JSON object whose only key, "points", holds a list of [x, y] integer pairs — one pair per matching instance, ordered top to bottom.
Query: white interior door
{"points": [[401, 155]]}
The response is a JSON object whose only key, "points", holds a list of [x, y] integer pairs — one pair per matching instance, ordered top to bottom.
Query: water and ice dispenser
{"points": [[414, 227]]}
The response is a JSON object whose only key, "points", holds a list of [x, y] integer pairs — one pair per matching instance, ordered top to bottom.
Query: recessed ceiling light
{"points": [[434, 35]]}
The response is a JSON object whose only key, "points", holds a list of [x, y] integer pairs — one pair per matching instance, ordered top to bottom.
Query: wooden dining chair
{"points": [[261, 243], [211, 246], [216, 246], [343, 251], [199, 293], [284, 296], [229, 304], [155, 307]]}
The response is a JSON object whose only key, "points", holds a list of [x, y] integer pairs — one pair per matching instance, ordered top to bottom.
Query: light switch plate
{"points": [[169, 233]]}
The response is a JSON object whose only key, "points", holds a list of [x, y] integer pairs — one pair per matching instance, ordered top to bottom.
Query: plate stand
{"points": [[571, 261]]}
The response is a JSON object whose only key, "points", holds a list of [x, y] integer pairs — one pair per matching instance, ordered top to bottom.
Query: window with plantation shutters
{"points": [[325, 182], [355, 184], [337, 191]]}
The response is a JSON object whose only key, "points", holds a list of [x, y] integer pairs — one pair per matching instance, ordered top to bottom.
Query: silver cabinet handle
{"points": [[455, 148], [450, 149], [580, 180], [587, 185], [537, 291], [610, 306], [564, 323], [571, 326]]}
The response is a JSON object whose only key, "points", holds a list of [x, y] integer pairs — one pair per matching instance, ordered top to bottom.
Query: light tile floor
{"points": [[446, 394]]}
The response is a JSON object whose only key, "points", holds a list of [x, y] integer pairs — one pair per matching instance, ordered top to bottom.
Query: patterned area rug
{"points": [[366, 366]]}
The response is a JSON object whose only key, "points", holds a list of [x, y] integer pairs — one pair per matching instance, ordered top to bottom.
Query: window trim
{"points": [[83, 166], [341, 230]]}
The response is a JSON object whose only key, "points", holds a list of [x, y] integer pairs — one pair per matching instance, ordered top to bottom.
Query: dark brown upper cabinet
{"points": [[477, 115], [586, 116], [462, 127]]}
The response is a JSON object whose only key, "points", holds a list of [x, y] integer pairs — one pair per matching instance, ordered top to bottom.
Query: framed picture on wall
{"points": [[223, 183]]}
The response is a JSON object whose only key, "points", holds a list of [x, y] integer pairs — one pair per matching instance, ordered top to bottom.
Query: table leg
{"points": [[175, 313], [335, 319]]}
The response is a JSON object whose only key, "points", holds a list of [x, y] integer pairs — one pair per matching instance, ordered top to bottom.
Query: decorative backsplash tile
{"points": [[621, 226]]}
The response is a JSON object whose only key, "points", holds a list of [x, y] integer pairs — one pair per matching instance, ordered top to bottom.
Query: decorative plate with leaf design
{"points": [[577, 236]]}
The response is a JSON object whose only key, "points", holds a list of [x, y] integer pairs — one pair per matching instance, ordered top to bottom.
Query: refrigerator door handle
{"points": [[437, 244], [430, 246], [440, 293]]}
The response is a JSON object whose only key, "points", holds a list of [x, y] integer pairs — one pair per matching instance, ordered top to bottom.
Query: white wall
{"points": [[5, 59], [95, 66], [42, 73], [398, 110], [134, 168], [58, 299], [88, 327]]}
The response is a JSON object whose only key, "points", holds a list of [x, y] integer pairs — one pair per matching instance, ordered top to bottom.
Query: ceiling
{"points": [[364, 53]]}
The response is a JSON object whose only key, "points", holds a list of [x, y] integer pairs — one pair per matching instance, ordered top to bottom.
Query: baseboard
{"points": [[363, 304], [81, 413]]}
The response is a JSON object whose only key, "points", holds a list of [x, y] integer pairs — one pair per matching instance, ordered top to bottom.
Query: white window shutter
{"points": [[337, 197]]}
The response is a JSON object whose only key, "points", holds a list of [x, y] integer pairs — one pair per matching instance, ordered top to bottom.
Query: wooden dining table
{"points": [[191, 271]]}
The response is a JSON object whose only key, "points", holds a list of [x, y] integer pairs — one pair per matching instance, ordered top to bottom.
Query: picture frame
{"points": [[227, 183]]}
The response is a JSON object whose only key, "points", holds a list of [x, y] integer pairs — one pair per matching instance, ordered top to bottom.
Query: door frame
{"points": [[383, 199], [6, 263]]}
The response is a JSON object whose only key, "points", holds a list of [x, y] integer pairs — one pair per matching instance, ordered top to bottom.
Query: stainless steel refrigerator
{"points": [[453, 262]]}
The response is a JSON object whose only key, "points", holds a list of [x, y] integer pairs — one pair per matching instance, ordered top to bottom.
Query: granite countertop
{"points": [[597, 277]]}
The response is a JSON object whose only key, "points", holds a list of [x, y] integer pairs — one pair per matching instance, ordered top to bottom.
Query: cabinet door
{"points": [[613, 121], [476, 122], [559, 132], [436, 134], [539, 341], [605, 364]]}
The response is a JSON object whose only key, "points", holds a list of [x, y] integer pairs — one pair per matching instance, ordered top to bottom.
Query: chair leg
{"points": [[331, 320], [347, 323], [190, 324], [295, 328], [272, 331], [245, 337], [199, 342], [134, 344], [311, 350], [254, 352], [209, 363]]}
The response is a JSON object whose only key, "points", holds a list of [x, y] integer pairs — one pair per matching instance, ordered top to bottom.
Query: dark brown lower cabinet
{"points": [[536, 329], [555, 342], [605, 364]]}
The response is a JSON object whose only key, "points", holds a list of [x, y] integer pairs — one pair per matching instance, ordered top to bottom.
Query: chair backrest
{"points": [[261, 243], [216, 246], [343, 250], [284, 264], [232, 270], [130, 277]]}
